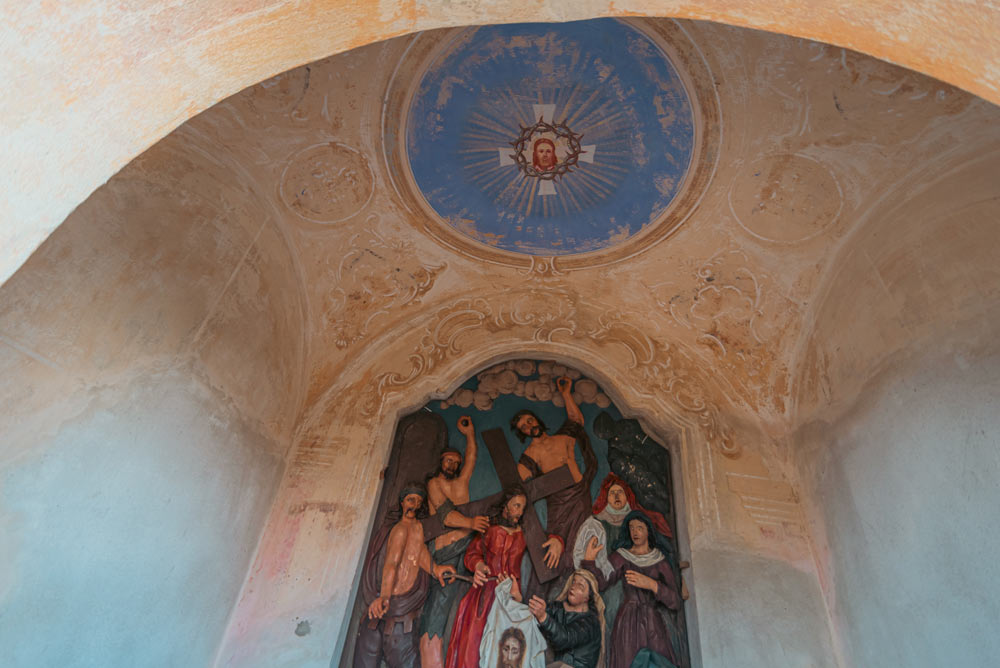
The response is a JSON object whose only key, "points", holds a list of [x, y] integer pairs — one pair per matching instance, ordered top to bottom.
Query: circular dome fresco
{"points": [[550, 139]]}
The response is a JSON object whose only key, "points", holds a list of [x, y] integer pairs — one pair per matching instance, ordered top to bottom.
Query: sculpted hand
{"points": [[564, 384], [465, 425], [479, 523], [593, 549], [553, 550], [441, 571], [479, 577], [637, 579], [515, 588], [378, 607], [537, 607]]}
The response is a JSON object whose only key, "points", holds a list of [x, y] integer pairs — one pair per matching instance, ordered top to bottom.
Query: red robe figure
{"points": [[498, 552]]}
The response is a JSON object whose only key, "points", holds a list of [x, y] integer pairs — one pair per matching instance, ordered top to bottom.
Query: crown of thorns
{"points": [[561, 130]]}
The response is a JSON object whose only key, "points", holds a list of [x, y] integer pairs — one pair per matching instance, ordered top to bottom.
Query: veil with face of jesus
{"points": [[512, 645]]}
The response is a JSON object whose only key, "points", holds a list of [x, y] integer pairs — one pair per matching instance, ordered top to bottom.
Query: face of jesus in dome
{"points": [[543, 158]]}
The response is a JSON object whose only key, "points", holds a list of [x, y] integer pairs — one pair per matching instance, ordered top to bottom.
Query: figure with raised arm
{"points": [[446, 488], [570, 507], [573, 624]]}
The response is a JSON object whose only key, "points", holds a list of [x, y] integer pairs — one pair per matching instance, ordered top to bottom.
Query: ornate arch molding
{"points": [[647, 380], [659, 382], [399, 390]]}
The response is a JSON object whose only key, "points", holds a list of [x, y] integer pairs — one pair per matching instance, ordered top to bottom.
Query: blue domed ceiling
{"points": [[550, 139]]}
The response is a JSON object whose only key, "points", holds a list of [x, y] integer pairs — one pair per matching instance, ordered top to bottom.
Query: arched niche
{"points": [[504, 384], [311, 550]]}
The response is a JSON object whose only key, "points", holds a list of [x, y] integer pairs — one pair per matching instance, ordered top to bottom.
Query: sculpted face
{"points": [[544, 155], [528, 425], [450, 465], [616, 497], [411, 503], [514, 508], [639, 532], [579, 591], [510, 653]]}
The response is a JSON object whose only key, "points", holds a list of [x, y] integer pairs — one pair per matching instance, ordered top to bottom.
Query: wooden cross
{"points": [[536, 489]]}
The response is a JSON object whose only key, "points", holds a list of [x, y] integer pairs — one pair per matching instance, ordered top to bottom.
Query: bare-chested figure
{"points": [[446, 488], [570, 507], [404, 564]]}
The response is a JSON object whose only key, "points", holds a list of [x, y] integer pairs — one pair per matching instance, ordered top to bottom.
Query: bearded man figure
{"points": [[543, 155], [446, 488], [570, 507], [496, 553], [512, 645]]}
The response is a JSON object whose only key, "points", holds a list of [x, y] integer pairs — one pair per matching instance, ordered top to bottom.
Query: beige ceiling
{"points": [[82, 73], [818, 156]]}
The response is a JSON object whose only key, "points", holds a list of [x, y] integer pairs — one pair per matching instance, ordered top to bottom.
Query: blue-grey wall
{"points": [[146, 355], [908, 487], [128, 534], [758, 612]]}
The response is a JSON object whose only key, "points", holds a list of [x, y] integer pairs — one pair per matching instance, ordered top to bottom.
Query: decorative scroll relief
{"points": [[875, 102], [327, 183], [542, 268], [373, 277], [723, 307], [556, 316], [664, 370]]}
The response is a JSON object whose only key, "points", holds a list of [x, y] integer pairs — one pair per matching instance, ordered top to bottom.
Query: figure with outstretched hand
{"points": [[447, 488], [492, 557], [637, 559], [403, 582]]}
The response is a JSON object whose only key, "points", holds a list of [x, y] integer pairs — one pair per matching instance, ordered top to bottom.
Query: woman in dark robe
{"points": [[638, 561]]}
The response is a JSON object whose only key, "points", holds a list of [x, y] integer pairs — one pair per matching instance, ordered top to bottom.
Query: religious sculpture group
{"points": [[445, 582]]}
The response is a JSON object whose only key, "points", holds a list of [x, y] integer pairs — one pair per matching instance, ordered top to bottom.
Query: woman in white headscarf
{"points": [[638, 561]]}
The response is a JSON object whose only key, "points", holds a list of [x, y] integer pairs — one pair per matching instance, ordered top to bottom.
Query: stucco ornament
{"points": [[327, 183], [375, 276], [721, 301], [559, 316]]}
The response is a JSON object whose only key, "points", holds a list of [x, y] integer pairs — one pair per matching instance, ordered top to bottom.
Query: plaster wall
{"points": [[284, 337], [145, 410], [899, 447], [906, 486], [127, 530], [759, 612]]}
